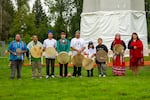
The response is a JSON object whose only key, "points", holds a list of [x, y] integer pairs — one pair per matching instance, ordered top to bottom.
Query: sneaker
{"points": [[99, 75], [104, 75], [47, 76], [52, 76]]}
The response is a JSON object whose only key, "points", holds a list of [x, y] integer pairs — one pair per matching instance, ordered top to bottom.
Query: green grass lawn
{"points": [[128, 87]]}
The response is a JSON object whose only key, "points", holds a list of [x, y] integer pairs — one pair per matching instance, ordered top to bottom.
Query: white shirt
{"points": [[50, 43], [77, 43], [90, 52]]}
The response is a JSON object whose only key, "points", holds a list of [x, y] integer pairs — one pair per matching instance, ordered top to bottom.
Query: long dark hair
{"points": [[136, 35], [90, 43]]}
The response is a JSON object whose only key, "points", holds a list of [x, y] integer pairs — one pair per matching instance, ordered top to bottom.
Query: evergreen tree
{"points": [[7, 13]]}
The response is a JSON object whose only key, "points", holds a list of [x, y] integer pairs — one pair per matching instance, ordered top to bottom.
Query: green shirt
{"points": [[30, 45], [63, 45], [36, 59]]}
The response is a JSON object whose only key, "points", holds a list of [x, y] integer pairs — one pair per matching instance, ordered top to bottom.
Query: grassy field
{"points": [[128, 87]]}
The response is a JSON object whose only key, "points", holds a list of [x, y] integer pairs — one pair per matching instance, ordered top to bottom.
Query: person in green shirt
{"points": [[63, 44], [35, 62]]}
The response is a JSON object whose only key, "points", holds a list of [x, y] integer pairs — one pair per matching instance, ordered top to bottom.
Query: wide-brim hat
{"points": [[36, 51], [50, 52], [101, 56], [63, 57], [77, 60], [87, 63]]}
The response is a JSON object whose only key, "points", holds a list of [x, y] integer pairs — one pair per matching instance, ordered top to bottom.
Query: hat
{"points": [[50, 31]]}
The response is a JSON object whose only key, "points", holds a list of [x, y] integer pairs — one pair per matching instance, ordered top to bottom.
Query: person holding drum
{"points": [[49, 46], [63, 46], [77, 46], [135, 46], [118, 47], [17, 48], [35, 49], [90, 53], [101, 58]]}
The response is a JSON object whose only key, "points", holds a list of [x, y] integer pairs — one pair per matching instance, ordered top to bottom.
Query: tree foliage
{"points": [[7, 12]]}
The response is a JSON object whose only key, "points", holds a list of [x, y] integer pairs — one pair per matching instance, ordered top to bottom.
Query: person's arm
{"points": [[140, 44], [44, 45], [55, 45], [68, 45], [124, 45], [58, 46], [72, 46], [84, 46], [112, 46], [130, 47], [25, 48], [106, 48], [10, 49], [74, 49], [83, 49], [27, 54]]}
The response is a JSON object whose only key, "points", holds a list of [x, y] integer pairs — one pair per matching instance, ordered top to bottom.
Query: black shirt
{"points": [[101, 47]]}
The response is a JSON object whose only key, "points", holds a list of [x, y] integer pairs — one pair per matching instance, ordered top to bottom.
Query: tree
{"points": [[22, 3], [147, 8], [60, 11], [7, 13], [39, 13], [76, 18], [41, 21], [23, 22]]}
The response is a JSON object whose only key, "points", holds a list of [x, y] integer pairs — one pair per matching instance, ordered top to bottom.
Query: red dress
{"points": [[136, 55], [118, 68]]}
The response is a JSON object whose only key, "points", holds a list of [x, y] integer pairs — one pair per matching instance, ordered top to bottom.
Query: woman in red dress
{"points": [[136, 53], [118, 68]]}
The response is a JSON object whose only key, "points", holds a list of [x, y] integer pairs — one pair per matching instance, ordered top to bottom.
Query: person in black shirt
{"points": [[101, 65]]}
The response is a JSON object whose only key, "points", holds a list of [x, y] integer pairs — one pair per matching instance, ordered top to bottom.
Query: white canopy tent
{"points": [[105, 18]]}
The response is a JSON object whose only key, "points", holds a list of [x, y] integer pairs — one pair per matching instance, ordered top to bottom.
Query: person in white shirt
{"points": [[50, 42], [77, 46], [90, 52]]}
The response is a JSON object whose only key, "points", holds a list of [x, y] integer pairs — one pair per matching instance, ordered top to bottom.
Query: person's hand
{"points": [[134, 47], [79, 51], [14, 53], [92, 56]]}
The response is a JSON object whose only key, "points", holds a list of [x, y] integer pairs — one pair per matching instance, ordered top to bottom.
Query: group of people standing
{"points": [[77, 46]]}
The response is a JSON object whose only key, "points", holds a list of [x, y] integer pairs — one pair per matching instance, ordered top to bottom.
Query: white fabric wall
{"points": [[111, 5], [105, 18], [106, 24]]}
